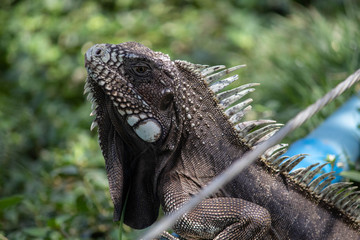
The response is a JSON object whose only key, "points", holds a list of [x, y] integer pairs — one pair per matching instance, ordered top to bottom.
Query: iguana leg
{"points": [[220, 218]]}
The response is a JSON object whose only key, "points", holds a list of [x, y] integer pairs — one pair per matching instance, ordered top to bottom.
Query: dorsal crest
{"points": [[343, 197]]}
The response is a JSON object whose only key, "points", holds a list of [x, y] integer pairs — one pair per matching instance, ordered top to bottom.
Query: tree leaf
{"points": [[353, 175], [10, 201], [36, 231]]}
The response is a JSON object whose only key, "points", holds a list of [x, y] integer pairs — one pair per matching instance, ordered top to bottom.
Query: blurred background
{"points": [[52, 177]]}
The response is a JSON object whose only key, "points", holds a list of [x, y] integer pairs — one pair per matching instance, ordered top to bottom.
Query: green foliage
{"points": [[322, 52], [352, 175], [52, 176], [10, 201]]}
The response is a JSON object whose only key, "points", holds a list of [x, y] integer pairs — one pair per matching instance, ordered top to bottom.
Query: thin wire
{"points": [[250, 157]]}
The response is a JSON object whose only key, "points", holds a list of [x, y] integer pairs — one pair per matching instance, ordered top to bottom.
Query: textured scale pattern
{"points": [[166, 128]]}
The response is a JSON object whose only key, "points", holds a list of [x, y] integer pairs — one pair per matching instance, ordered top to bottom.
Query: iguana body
{"points": [[164, 134]]}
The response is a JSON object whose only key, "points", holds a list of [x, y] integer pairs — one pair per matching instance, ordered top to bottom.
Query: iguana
{"points": [[167, 128]]}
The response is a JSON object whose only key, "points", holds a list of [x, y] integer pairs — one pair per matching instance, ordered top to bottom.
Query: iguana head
{"points": [[139, 83], [132, 89]]}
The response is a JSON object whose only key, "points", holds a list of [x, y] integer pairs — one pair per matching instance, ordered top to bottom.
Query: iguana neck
{"points": [[208, 138]]}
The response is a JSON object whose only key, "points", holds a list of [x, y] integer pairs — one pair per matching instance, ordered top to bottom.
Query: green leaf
{"points": [[353, 175], [10, 201], [36, 231], [2, 237]]}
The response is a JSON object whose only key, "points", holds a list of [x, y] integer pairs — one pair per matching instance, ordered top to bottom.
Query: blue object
{"points": [[337, 138], [174, 234]]}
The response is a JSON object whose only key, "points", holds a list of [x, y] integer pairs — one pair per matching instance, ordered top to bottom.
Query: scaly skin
{"points": [[164, 135]]}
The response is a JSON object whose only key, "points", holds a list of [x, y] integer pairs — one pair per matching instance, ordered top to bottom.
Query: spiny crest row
{"points": [[90, 98], [235, 108], [341, 195]]}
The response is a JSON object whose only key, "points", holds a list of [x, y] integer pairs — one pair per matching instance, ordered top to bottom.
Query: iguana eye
{"points": [[141, 70]]}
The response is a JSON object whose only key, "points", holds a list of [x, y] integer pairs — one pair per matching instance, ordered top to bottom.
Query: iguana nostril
{"points": [[98, 52]]}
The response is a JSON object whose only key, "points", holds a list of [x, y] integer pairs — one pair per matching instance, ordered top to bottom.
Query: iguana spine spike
{"points": [[191, 66], [200, 67], [212, 69], [216, 76], [220, 85], [87, 88], [221, 96], [90, 97], [233, 98], [93, 106], [238, 107], [93, 113], [239, 115], [93, 125], [250, 125], [256, 135], [256, 141], [274, 152], [298, 158], [272, 159], [276, 163], [286, 163], [295, 172], [312, 174], [301, 175], [325, 183], [312, 186], [329, 190], [334, 190], [341, 194], [337, 199], [349, 199], [351, 209], [354, 211]]}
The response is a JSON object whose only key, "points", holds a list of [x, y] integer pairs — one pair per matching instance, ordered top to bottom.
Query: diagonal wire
{"points": [[250, 157]]}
